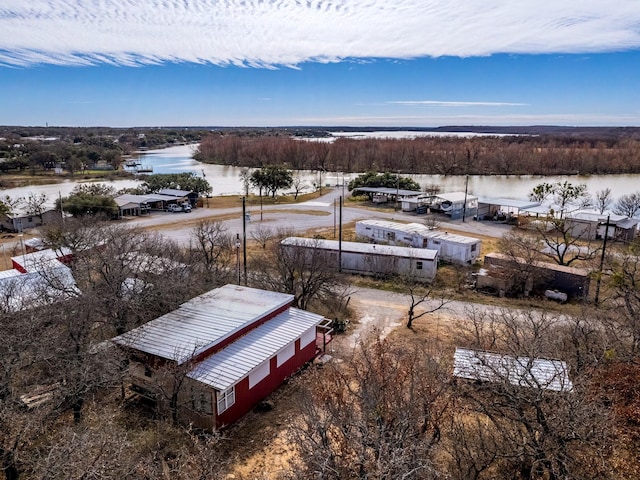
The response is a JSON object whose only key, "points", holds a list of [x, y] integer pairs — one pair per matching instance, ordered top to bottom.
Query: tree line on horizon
{"points": [[506, 155]]}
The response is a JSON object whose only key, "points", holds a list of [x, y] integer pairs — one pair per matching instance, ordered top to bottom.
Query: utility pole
{"points": [[464, 207], [244, 239], [340, 240], [604, 247]]}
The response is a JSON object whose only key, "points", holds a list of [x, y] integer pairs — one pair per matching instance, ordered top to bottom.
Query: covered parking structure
{"points": [[385, 194], [502, 209]]}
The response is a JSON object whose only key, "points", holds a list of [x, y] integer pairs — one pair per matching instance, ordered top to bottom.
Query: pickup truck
{"points": [[179, 208]]}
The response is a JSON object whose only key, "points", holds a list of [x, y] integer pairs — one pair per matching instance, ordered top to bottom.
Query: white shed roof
{"points": [[127, 198], [364, 248], [41, 259], [10, 273], [19, 292], [203, 322], [236, 361], [519, 371]]}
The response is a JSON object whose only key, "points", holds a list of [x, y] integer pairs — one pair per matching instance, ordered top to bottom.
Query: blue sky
{"points": [[317, 62]]}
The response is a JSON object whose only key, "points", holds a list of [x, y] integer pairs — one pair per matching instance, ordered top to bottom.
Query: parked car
{"points": [[174, 207]]}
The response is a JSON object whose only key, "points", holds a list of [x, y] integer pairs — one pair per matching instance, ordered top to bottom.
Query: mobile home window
{"points": [[473, 247], [418, 265], [286, 353], [259, 374], [226, 399]]}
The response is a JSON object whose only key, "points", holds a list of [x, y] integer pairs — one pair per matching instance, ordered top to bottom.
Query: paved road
{"points": [[321, 213]]}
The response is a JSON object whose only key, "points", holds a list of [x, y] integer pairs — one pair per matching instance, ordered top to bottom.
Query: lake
{"points": [[225, 180]]}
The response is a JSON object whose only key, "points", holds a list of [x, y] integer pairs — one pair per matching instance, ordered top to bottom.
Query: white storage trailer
{"points": [[451, 247], [369, 259]]}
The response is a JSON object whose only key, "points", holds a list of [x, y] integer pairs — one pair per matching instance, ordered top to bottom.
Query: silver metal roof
{"points": [[390, 191], [172, 192], [455, 197], [508, 202], [419, 229], [365, 248], [41, 259], [10, 273], [29, 290], [203, 322], [230, 365], [519, 371]]}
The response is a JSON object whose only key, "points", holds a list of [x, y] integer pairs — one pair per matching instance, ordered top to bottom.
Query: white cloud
{"points": [[265, 33], [439, 103]]}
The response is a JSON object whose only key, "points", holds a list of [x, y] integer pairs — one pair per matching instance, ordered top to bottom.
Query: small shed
{"points": [[132, 205], [22, 220], [590, 225], [452, 248], [368, 259], [573, 281], [524, 372]]}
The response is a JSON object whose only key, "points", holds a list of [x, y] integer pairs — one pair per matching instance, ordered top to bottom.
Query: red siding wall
{"points": [[247, 398]]}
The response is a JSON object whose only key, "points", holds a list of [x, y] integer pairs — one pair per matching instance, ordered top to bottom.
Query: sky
{"points": [[394, 63]]}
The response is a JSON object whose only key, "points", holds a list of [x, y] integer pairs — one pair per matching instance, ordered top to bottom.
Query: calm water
{"points": [[225, 180]]}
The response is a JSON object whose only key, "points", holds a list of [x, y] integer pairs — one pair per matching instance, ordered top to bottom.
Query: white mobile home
{"points": [[451, 247], [368, 259]]}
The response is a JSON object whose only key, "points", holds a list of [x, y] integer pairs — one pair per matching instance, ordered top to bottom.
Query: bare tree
{"points": [[245, 178], [298, 185], [603, 200], [35, 204], [628, 205], [262, 235], [561, 245], [212, 249], [303, 270], [428, 297], [379, 416], [538, 431]]}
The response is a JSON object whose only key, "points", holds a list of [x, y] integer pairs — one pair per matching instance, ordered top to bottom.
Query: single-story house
{"points": [[132, 205], [501, 209], [21, 220], [590, 225], [452, 248], [369, 259], [498, 269], [216, 356], [518, 371]]}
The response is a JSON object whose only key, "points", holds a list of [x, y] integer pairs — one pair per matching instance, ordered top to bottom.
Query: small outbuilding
{"points": [[456, 204], [589, 225], [452, 248], [368, 259], [501, 269], [524, 372]]}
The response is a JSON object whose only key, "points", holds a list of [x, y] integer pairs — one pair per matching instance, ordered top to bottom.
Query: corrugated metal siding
{"points": [[203, 321], [227, 367], [519, 371]]}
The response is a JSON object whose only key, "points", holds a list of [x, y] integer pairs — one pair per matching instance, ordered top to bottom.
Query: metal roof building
{"points": [[35, 289], [202, 322], [238, 344], [519, 371]]}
